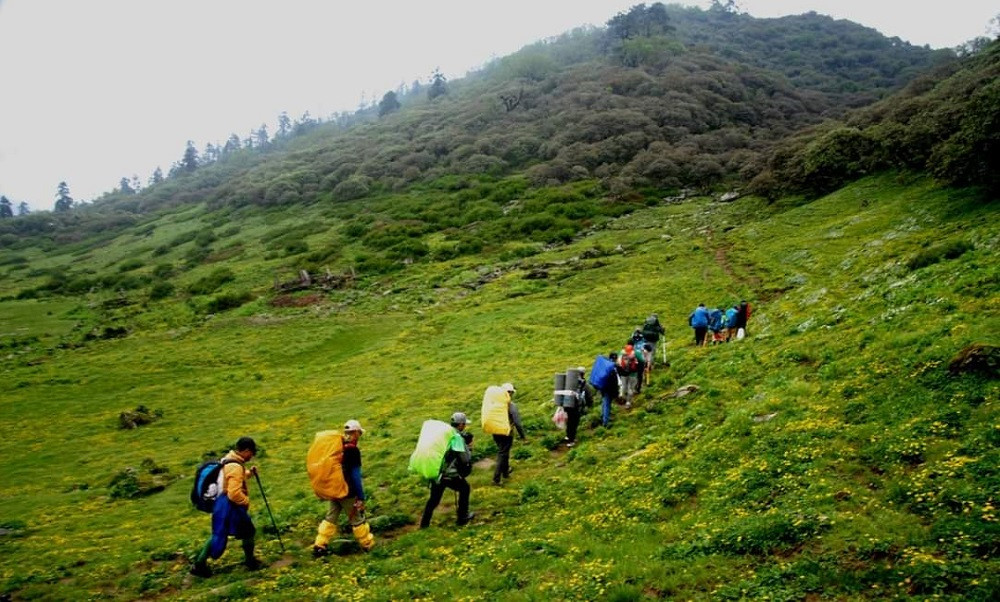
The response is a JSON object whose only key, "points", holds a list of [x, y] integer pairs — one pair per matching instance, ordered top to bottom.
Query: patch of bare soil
{"points": [[297, 301]]}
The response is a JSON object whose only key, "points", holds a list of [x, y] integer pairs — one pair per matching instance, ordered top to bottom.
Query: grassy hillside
{"points": [[832, 453]]}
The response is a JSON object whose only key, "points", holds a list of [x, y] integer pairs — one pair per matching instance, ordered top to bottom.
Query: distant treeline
{"points": [[663, 98], [946, 123]]}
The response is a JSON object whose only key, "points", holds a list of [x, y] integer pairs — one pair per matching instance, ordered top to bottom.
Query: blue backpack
{"points": [[715, 319], [603, 370], [208, 484]]}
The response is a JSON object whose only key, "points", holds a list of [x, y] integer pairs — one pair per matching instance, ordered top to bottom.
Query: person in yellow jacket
{"points": [[353, 504], [230, 516]]}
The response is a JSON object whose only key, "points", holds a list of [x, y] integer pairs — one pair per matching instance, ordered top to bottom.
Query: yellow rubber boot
{"points": [[324, 533], [363, 534]]}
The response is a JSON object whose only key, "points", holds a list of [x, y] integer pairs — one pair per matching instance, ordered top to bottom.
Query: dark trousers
{"points": [[699, 334], [572, 422], [504, 443], [437, 490]]}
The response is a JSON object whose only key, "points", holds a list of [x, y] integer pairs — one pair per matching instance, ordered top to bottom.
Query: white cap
{"points": [[508, 387], [353, 425]]}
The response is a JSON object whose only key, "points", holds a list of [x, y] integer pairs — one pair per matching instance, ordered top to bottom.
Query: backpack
{"points": [[715, 319], [629, 364], [603, 370], [495, 411], [427, 459], [324, 463], [208, 484]]}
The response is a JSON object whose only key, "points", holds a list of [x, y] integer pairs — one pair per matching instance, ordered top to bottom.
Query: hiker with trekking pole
{"points": [[221, 486]]}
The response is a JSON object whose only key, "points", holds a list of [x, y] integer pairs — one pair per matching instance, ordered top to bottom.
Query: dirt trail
{"points": [[720, 251], [748, 278]]}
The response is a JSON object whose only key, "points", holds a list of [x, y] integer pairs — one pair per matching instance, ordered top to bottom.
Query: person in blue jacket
{"points": [[731, 319], [699, 321], [716, 323]]}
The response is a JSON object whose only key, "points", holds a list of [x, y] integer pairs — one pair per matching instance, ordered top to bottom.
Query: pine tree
{"points": [[439, 85], [388, 104], [284, 125], [190, 160], [64, 202], [5, 207], [22, 208]]}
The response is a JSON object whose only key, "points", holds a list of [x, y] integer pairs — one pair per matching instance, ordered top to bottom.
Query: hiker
{"points": [[742, 316], [716, 319], [698, 320], [731, 323], [651, 332], [642, 353], [629, 369], [604, 378], [584, 392], [574, 405], [506, 441], [456, 466], [353, 503], [230, 514]]}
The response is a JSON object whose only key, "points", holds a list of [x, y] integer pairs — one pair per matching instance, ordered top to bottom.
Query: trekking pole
{"points": [[268, 506]]}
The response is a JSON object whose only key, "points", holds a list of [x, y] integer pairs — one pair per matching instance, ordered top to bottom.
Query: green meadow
{"points": [[836, 453]]}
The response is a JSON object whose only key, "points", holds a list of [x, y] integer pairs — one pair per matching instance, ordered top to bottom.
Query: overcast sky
{"points": [[95, 90]]}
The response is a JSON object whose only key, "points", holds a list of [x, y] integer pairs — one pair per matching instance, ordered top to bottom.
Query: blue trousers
{"points": [[605, 409], [230, 519]]}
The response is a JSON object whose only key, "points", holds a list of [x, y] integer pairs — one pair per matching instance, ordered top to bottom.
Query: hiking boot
{"points": [[570, 443], [509, 472], [496, 482], [468, 518], [319, 551], [253, 564], [200, 569]]}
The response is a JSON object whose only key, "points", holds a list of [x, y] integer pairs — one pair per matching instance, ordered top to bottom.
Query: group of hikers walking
{"points": [[724, 324], [618, 376], [443, 454], [443, 457]]}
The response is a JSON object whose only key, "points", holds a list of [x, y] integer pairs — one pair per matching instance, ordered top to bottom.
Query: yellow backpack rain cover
{"points": [[496, 420], [324, 462]]}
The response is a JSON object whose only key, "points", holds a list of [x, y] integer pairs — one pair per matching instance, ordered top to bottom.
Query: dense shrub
{"points": [[354, 187], [932, 255], [129, 265], [210, 283], [161, 289], [226, 301]]}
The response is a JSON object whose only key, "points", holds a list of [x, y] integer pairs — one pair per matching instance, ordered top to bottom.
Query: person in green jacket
{"points": [[456, 466]]}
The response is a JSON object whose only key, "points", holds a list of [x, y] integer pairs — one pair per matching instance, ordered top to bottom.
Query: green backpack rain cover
{"points": [[426, 459]]}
